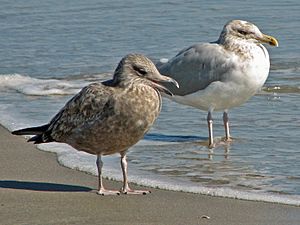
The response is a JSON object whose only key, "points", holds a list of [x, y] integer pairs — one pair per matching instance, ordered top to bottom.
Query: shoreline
{"points": [[35, 189]]}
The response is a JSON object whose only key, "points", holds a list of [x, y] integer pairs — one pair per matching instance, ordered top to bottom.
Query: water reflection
{"points": [[194, 140], [188, 159]]}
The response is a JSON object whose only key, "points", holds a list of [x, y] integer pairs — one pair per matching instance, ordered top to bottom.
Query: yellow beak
{"points": [[269, 40]]}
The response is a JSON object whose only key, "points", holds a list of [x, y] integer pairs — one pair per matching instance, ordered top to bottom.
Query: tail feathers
{"points": [[31, 130], [42, 135], [38, 139]]}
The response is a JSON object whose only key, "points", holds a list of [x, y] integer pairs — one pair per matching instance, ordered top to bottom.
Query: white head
{"points": [[244, 30]]}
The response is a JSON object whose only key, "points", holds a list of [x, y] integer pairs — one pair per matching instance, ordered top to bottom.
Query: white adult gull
{"points": [[223, 74], [109, 117]]}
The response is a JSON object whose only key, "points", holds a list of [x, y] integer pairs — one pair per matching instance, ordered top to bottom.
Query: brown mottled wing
{"points": [[88, 103]]}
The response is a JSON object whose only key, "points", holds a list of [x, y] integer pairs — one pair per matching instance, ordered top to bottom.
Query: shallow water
{"points": [[49, 50]]}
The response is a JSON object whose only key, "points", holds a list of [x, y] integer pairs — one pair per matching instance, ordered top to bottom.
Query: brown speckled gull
{"points": [[222, 74], [109, 117]]}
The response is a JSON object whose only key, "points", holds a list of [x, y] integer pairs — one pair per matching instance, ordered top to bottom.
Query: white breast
{"points": [[242, 82]]}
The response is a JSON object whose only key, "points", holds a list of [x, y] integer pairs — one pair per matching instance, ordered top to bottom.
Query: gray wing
{"points": [[196, 67], [92, 101]]}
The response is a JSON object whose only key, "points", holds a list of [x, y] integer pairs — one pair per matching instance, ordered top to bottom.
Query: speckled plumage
{"points": [[222, 74], [109, 117], [105, 120]]}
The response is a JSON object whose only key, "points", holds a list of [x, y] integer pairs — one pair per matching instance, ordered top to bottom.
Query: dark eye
{"points": [[242, 32], [140, 70]]}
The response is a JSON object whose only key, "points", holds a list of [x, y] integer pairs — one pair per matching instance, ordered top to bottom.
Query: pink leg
{"points": [[226, 126], [210, 130], [101, 189], [126, 189]]}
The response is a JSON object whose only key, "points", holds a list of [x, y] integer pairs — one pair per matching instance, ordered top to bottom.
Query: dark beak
{"points": [[157, 79]]}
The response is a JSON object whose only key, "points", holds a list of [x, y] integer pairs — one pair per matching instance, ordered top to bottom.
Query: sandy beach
{"points": [[35, 189]]}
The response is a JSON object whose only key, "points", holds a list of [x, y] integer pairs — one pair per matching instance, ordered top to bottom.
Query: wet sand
{"points": [[35, 189]]}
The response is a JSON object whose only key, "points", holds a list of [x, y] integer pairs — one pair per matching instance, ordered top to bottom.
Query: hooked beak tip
{"points": [[270, 40], [171, 80], [175, 83]]}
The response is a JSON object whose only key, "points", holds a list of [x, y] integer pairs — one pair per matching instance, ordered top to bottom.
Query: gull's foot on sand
{"points": [[129, 191], [107, 192]]}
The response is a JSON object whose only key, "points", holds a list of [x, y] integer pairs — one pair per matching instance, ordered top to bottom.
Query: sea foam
{"points": [[34, 86]]}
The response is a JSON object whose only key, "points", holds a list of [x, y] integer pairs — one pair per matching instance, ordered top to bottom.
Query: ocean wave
{"points": [[286, 65], [33, 86], [281, 89]]}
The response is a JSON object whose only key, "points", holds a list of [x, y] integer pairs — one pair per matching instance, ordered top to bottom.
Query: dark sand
{"points": [[35, 189]]}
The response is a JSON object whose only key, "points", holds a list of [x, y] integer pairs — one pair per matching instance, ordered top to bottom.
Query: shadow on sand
{"points": [[41, 186]]}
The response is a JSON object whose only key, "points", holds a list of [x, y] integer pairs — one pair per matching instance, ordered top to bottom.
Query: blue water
{"points": [[51, 49]]}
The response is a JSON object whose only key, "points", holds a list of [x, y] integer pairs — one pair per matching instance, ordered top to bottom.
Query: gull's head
{"points": [[240, 29], [140, 68]]}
